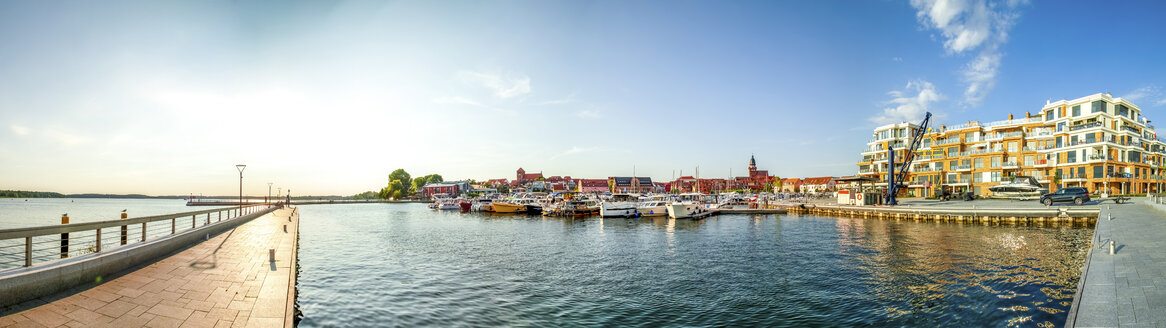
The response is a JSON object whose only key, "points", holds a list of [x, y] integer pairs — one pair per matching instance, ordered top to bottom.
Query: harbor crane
{"points": [[895, 177]]}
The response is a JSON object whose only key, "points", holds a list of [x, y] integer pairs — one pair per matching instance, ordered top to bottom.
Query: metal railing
{"points": [[1084, 126], [25, 247]]}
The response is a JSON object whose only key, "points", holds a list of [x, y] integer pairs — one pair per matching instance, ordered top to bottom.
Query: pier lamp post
{"points": [[241, 167], [268, 192]]}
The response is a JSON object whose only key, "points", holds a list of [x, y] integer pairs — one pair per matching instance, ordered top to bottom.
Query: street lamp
{"points": [[241, 167], [268, 192]]}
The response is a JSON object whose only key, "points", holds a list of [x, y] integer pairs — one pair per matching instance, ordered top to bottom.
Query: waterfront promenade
{"points": [[226, 281], [1128, 288]]}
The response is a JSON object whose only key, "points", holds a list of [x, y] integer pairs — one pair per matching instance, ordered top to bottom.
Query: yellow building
{"points": [[1098, 142]]}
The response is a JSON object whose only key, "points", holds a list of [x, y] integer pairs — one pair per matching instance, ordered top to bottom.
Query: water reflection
{"points": [[440, 268]]}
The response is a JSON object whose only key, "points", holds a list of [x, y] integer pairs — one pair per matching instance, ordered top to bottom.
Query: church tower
{"points": [[752, 165]]}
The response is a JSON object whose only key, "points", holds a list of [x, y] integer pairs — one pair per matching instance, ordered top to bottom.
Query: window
{"points": [[1098, 106], [1077, 110], [1122, 110], [1049, 115], [1060, 126], [968, 136], [1090, 137], [1072, 140], [1059, 143], [1012, 147], [953, 151], [1134, 156], [1071, 157], [996, 161], [1028, 162], [979, 163], [951, 165], [1080, 172], [1097, 172], [995, 176], [979, 177]]}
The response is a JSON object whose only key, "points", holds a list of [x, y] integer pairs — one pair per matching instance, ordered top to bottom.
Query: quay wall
{"points": [[971, 215], [43, 280]]}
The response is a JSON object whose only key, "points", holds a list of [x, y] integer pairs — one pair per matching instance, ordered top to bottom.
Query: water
{"points": [[35, 212], [406, 265]]}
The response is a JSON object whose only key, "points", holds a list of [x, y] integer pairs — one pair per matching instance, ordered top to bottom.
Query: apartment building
{"points": [[1098, 142]]}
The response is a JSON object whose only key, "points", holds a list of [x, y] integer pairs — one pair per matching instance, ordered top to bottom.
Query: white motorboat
{"points": [[1021, 187], [621, 205], [654, 206], [690, 206]]}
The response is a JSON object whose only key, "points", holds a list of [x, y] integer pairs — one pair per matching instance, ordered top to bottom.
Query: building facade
{"points": [[1098, 142]]}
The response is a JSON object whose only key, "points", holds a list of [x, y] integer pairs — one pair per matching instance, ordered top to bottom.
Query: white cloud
{"points": [[968, 25], [897, 59], [503, 87], [1142, 93], [1150, 93], [909, 104], [587, 113], [20, 130]]}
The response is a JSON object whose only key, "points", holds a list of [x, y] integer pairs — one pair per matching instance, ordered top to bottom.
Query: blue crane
{"points": [[895, 177]]}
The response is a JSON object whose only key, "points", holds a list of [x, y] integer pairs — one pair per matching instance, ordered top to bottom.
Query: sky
{"points": [[329, 97]]}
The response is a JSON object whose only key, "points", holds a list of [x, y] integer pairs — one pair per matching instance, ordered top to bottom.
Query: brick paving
{"points": [[226, 281], [1128, 288]]}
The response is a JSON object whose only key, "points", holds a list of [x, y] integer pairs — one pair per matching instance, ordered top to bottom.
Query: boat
{"points": [[1021, 187], [449, 205], [483, 205], [621, 205], [508, 206], [654, 206], [690, 206]]}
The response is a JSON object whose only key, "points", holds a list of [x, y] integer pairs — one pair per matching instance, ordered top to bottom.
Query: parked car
{"points": [[1077, 195]]}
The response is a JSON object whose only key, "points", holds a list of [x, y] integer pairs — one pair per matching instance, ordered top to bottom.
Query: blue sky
{"points": [[329, 97]]}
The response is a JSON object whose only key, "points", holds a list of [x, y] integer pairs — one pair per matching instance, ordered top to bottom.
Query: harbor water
{"points": [[407, 265]]}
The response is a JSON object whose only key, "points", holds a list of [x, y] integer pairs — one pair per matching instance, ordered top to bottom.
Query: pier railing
{"points": [[25, 247]]}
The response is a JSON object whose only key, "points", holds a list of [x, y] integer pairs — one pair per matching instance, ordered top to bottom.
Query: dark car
{"points": [[1076, 195]]}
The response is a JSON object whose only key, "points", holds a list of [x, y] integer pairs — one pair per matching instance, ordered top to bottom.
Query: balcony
{"points": [[1013, 122], [964, 126], [1084, 126], [1130, 129], [948, 141], [1098, 157], [1041, 163], [1010, 165], [963, 168], [1073, 177]]}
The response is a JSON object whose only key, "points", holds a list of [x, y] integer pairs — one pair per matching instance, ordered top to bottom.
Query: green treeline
{"points": [[401, 185], [29, 194]]}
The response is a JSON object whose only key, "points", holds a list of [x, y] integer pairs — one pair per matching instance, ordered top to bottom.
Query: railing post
{"points": [[220, 216], [208, 218], [192, 219], [173, 226], [125, 231], [143, 231], [64, 237], [98, 240], [28, 251]]}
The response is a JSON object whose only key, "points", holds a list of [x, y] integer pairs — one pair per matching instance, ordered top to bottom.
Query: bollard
{"points": [[1110, 216], [285, 228], [124, 231], [65, 237], [1110, 247], [271, 254]]}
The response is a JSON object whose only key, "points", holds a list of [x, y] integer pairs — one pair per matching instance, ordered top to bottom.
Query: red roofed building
{"points": [[523, 177], [496, 182], [790, 184], [819, 184], [592, 185]]}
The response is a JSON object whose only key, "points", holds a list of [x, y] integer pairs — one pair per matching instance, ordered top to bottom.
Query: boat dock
{"points": [[244, 276], [1123, 283]]}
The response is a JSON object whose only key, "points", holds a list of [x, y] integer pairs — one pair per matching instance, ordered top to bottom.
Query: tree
{"points": [[400, 175], [540, 179], [419, 182], [776, 184], [397, 189]]}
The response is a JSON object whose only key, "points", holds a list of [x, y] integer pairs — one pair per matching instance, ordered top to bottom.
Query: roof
{"points": [[855, 179], [818, 180], [593, 183]]}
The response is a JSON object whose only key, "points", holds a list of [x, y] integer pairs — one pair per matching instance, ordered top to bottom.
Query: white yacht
{"points": [[622, 205], [654, 206], [690, 206]]}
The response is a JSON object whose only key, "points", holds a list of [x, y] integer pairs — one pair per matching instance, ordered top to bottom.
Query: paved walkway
{"points": [[226, 281], [1128, 288]]}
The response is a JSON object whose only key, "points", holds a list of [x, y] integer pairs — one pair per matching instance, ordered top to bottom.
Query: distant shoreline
{"points": [[45, 194]]}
